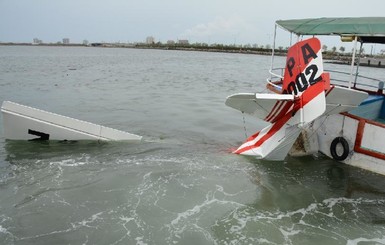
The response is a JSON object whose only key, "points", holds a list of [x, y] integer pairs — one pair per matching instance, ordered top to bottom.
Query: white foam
{"points": [[71, 162], [126, 219], [89, 221], [3, 230], [287, 233], [139, 241], [357, 241]]}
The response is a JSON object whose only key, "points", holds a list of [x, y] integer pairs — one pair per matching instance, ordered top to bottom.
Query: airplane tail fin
{"points": [[304, 77], [305, 80]]}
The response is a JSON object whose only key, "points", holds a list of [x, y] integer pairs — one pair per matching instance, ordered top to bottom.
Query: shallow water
{"points": [[181, 185]]}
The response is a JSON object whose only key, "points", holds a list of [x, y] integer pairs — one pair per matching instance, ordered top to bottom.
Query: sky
{"points": [[203, 21]]}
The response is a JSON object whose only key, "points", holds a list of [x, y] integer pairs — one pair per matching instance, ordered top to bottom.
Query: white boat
{"points": [[312, 110], [22, 122]]}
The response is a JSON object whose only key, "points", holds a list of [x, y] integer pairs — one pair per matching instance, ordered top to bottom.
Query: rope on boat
{"points": [[244, 124], [343, 125]]}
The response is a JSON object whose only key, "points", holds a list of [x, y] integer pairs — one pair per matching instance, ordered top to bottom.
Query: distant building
{"points": [[150, 40], [37, 41], [66, 41], [170, 42], [183, 42]]}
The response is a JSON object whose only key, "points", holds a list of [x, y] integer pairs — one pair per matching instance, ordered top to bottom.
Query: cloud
{"points": [[223, 30]]}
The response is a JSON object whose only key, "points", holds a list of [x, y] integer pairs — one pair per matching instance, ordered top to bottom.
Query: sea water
{"points": [[181, 184]]}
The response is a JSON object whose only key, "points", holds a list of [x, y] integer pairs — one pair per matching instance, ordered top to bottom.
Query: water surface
{"points": [[181, 185]]}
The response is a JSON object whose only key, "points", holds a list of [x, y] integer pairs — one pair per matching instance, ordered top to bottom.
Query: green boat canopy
{"points": [[367, 29]]}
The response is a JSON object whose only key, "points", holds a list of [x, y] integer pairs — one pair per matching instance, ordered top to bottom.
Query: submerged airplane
{"points": [[305, 95], [310, 110]]}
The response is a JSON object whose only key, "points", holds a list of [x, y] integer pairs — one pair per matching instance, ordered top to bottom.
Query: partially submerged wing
{"points": [[264, 106], [26, 123]]}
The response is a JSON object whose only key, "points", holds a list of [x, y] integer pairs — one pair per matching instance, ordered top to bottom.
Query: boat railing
{"points": [[274, 77], [340, 78], [360, 82]]}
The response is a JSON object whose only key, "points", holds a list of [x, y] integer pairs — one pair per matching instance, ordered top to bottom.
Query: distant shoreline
{"points": [[43, 44], [216, 48], [329, 56]]}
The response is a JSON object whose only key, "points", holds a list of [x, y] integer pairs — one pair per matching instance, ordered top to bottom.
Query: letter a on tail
{"points": [[305, 81]]}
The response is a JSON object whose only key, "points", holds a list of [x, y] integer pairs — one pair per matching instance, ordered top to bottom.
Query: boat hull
{"points": [[361, 144]]}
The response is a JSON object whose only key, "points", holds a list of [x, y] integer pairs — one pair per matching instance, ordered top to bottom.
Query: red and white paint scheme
{"points": [[302, 101]]}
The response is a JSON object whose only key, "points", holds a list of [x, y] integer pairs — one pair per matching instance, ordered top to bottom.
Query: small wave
{"points": [[73, 162], [69, 163], [37, 194], [330, 202], [192, 219], [317, 219], [88, 222], [4, 233]]}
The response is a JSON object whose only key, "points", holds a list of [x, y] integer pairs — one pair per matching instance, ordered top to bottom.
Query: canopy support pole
{"points": [[291, 39], [272, 53], [353, 59], [358, 64]]}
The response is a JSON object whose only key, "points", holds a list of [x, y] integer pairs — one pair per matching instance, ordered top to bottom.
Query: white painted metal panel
{"points": [[330, 127], [373, 138]]}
